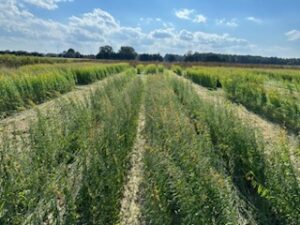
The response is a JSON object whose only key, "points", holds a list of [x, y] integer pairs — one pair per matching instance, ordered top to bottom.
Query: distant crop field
{"points": [[13, 61], [34, 84], [271, 93], [148, 144]]}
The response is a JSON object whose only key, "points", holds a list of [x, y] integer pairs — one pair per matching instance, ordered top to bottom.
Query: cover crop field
{"points": [[106, 144]]}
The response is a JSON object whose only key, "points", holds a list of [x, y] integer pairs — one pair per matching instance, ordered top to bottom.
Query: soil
{"points": [[130, 205]]}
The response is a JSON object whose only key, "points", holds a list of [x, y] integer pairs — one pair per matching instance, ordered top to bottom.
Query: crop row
{"points": [[17, 61], [149, 69], [35, 84], [271, 94], [206, 166], [70, 168], [267, 180], [180, 186]]}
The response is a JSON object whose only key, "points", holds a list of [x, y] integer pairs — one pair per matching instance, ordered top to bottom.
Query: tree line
{"points": [[128, 53]]}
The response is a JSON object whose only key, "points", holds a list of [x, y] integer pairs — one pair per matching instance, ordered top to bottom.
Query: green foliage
{"points": [[17, 61], [140, 68], [160, 68], [150, 69], [177, 69], [87, 74], [204, 78], [36, 84], [39, 88], [272, 93], [10, 98], [274, 103], [203, 164], [70, 168], [267, 181], [181, 187], [99, 198]]}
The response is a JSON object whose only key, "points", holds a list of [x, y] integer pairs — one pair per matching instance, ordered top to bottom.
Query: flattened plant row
{"points": [[35, 84], [72, 165]]}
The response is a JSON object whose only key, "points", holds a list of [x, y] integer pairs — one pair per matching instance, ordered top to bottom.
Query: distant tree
{"points": [[106, 52], [71, 53], [127, 53], [36, 54], [51, 55], [77, 55], [91, 56], [150, 57], [170, 58], [173, 58]]}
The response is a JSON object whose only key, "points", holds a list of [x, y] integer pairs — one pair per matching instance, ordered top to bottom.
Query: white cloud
{"points": [[46, 4], [185, 14], [190, 14], [15, 19], [199, 19], [254, 19], [95, 21], [229, 23], [168, 25], [88, 31], [161, 34], [185, 35], [293, 35], [174, 41]]}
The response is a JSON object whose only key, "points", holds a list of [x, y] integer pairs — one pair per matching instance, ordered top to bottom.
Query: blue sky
{"points": [[257, 27]]}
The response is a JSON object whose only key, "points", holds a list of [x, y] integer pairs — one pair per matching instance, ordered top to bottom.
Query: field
{"points": [[94, 143]]}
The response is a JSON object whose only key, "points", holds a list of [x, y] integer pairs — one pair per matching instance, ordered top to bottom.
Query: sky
{"points": [[255, 27]]}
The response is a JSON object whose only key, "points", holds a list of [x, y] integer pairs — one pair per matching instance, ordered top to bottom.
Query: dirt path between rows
{"points": [[272, 133], [130, 213]]}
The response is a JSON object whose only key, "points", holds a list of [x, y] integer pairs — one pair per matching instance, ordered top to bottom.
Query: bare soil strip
{"points": [[130, 213]]}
